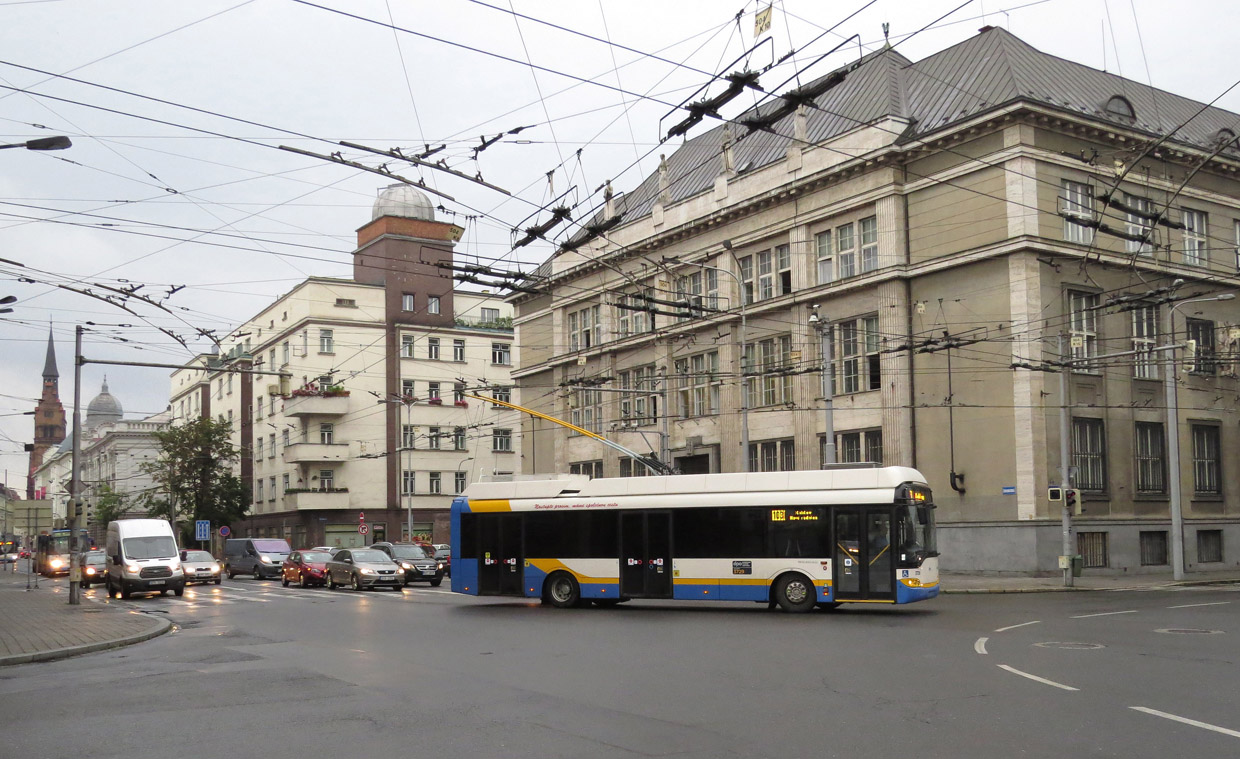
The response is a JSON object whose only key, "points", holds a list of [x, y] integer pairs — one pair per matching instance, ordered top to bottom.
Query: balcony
{"points": [[317, 405], [315, 452], [316, 499]]}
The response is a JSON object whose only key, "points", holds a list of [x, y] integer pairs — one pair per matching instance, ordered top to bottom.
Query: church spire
{"points": [[49, 366]]}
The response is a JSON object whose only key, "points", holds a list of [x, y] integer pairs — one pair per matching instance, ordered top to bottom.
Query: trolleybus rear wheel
{"points": [[563, 590], [795, 593]]}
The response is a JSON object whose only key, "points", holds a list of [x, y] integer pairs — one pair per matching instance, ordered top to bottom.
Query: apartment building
{"points": [[902, 254], [358, 410]]}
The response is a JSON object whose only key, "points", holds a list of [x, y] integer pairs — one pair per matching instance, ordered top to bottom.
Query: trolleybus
{"points": [[792, 539], [52, 551]]}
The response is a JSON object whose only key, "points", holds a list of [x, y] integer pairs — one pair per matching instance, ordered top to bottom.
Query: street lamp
{"points": [[42, 143], [740, 291], [6, 300], [828, 400], [1173, 441]]}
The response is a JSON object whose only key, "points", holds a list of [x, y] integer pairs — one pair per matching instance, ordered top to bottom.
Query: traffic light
{"points": [[1071, 502]]}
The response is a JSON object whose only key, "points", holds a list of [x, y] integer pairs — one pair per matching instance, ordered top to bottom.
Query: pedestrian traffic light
{"points": [[1054, 495]]}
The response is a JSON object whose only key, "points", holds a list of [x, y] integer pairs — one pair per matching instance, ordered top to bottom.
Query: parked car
{"points": [[329, 549], [443, 554], [260, 557], [415, 562], [200, 566], [94, 567], [306, 567], [361, 568]]}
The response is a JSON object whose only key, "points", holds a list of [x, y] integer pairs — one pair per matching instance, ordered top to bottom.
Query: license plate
{"points": [[428, 571], [158, 582]]}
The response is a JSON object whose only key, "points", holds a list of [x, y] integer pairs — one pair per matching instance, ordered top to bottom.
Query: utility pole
{"points": [[828, 397], [75, 481], [1064, 482]]}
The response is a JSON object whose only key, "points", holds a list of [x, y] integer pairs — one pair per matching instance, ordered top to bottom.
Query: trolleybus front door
{"points": [[646, 554], [501, 562], [862, 566]]}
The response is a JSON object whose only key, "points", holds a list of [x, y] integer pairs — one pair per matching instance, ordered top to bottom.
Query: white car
{"points": [[200, 566]]}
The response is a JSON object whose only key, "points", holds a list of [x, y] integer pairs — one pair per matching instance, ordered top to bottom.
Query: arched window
{"points": [[1119, 107], [1224, 136]]}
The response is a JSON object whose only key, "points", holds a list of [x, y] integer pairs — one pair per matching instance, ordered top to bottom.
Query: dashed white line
{"points": [[1187, 606], [1103, 614], [1022, 624], [980, 646], [1037, 679], [1187, 721]]}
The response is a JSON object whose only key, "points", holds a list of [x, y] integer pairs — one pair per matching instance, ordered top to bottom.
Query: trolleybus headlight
{"points": [[57, 563]]}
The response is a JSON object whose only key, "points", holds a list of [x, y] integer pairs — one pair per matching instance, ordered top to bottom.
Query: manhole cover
{"points": [[1187, 631], [1071, 646]]}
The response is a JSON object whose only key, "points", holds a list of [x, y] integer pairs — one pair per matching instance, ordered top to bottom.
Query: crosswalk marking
{"points": [[228, 594]]}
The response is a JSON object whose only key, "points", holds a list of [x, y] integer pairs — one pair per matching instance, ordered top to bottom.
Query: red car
{"points": [[305, 567]]}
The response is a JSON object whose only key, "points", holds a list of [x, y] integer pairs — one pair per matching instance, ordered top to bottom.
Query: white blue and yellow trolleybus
{"points": [[792, 539]]}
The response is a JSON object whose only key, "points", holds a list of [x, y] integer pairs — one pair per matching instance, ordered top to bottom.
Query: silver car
{"points": [[200, 566], [361, 568]]}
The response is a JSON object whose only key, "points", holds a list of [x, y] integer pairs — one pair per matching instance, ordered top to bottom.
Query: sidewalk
{"points": [[953, 582], [40, 625]]}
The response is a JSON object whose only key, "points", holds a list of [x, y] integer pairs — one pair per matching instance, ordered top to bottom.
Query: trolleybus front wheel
{"points": [[562, 590], [795, 593]]}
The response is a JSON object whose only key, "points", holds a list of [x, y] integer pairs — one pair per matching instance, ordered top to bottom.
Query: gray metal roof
{"points": [[983, 73]]}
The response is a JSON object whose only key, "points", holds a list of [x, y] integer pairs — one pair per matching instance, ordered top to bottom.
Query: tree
{"points": [[194, 478], [109, 506]]}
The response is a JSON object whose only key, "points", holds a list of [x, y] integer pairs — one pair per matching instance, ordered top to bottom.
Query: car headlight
{"points": [[265, 559], [57, 563], [406, 565], [441, 565], [131, 568], [215, 569], [90, 570], [367, 571]]}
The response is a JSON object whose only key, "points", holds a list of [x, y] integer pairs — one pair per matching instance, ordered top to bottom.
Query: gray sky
{"points": [[206, 202]]}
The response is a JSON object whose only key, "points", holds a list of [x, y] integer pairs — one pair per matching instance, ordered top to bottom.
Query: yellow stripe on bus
{"points": [[478, 507], [552, 565]]}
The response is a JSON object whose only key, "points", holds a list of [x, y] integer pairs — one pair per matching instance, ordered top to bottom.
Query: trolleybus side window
{"points": [[585, 535]]}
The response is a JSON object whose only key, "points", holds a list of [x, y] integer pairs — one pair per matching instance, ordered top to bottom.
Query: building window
{"points": [[1078, 212], [1137, 224], [1236, 230], [869, 243], [846, 251], [1196, 251], [826, 257], [746, 266], [697, 292], [406, 302], [346, 303], [432, 304], [490, 315], [1083, 327], [584, 330], [1201, 331], [1144, 338], [326, 341], [406, 346], [432, 348], [458, 350], [284, 352], [501, 353], [271, 359], [859, 365], [766, 366], [228, 384], [699, 384], [407, 388], [432, 391], [458, 393], [501, 394], [272, 401], [641, 406], [258, 408], [585, 410], [230, 417], [326, 433], [432, 434], [408, 436], [284, 437], [458, 438], [271, 439], [501, 440], [855, 447], [258, 449], [1089, 454], [772, 456], [1150, 459], [1206, 460], [631, 468], [591, 469], [284, 479], [408, 481], [459, 481], [436, 483], [258, 490], [271, 496], [1092, 546], [1209, 546], [1153, 548]]}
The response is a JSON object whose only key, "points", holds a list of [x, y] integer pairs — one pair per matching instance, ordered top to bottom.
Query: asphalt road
{"points": [[257, 670]]}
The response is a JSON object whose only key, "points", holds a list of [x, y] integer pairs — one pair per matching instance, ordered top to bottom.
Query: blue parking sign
{"points": [[202, 529]]}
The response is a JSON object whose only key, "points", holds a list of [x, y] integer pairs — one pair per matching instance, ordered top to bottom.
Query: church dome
{"points": [[403, 200], [104, 408]]}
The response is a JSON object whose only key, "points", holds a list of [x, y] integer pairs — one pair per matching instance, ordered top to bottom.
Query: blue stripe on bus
{"points": [[464, 575], [905, 594]]}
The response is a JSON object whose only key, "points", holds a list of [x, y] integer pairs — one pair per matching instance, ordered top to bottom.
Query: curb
{"points": [[64, 653]]}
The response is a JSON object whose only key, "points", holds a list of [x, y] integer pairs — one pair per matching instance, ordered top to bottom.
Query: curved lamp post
{"points": [[59, 142]]}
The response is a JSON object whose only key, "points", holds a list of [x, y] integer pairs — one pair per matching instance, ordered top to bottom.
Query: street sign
{"points": [[1009, 490], [361, 516], [202, 529], [362, 529], [225, 532]]}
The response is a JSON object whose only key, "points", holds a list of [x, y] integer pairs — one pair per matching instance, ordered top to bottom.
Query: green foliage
{"points": [[193, 476], [109, 505]]}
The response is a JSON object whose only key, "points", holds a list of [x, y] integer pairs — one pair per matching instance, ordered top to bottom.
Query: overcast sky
{"points": [[156, 194]]}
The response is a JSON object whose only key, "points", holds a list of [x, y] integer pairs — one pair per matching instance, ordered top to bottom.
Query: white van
{"points": [[143, 558]]}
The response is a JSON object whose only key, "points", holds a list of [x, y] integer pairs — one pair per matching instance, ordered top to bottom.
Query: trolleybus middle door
{"points": [[646, 554], [501, 561]]}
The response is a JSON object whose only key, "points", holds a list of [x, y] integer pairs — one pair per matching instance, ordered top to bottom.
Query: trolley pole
{"points": [[828, 398], [75, 481], [1064, 482]]}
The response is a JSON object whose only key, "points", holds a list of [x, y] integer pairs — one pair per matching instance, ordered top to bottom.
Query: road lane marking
{"points": [[1189, 606], [1103, 614], [1022, 624], [980, 646], [1037, 679], [1187, 721]]}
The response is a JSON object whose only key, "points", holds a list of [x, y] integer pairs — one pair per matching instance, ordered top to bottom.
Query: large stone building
{"points": [[950, 219], [371, 423]]}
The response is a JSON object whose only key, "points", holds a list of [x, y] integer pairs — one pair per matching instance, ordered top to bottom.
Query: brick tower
{"points": [[49, 415]]}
